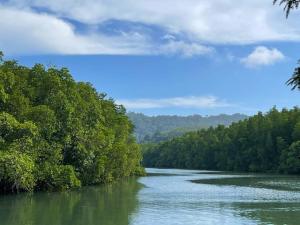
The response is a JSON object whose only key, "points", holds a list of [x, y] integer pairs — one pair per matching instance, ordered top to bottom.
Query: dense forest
{"points": [[161, 128], [57, 134], [263, 143]]}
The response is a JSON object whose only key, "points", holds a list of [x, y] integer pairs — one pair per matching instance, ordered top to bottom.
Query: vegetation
{"points": [[288, 5], [162, 128], [57, 134], [165, 136], [262, 143]]}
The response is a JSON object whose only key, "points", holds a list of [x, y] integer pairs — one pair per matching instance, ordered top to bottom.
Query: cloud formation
{"points": [[50, 26], [26, 32], [43, 33], [184, 49], [262, 56], [178, 102]]}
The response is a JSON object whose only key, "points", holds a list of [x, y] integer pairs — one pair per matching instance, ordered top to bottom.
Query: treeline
{"points": [[159, 128], [57, 134], [158, 136], [262, 143]]}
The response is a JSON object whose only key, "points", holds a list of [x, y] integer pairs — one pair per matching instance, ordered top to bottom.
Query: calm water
{"points": [[166, 197]]}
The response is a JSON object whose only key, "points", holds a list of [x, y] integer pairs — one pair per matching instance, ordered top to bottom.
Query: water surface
{"points": [[167, 197]]}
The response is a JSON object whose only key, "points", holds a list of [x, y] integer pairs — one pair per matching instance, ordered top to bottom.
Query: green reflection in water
{"points": [[277, 182], [169, 198], [104, 205], [268, 210], [270, 213]]}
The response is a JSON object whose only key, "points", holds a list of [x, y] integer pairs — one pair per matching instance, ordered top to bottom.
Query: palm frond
{"points": [[288, 5], [294, 81]]}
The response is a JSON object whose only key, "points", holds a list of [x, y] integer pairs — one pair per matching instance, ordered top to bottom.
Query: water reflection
{"points": [[277, 182], [168, 198], [218, 198], [103, 205], [270, 213]]}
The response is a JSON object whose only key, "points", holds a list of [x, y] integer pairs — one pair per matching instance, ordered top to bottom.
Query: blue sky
{"points": [[163, 57]]}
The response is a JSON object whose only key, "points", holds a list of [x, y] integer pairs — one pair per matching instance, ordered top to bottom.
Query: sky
{"points": [[163, 56]]}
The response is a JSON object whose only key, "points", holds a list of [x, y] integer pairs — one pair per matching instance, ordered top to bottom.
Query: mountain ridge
{"points": [[161, 127]]}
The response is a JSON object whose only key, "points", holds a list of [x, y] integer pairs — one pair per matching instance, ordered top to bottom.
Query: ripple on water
{"points": [[217, 199]]}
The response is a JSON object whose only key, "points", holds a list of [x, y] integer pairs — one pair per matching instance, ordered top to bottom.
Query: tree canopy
{"points": [[164, 127], [57, 134], [262, 143]]}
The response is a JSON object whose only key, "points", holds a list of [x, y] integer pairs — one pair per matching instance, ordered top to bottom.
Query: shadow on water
{"points": [[277, 182], [167, 200], [103, 205], [277, 207], [270, 213]]}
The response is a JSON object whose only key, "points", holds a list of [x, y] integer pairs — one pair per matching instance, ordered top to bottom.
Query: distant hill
{"points": [[161, 128]]}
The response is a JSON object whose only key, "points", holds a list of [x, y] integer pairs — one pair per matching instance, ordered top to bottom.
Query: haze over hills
{"points": [[161, 128]]}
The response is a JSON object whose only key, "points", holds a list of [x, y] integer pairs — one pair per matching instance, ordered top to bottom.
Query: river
{"points": [[164, 197]]}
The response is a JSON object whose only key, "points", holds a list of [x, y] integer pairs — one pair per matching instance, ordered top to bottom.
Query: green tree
{"points": [[65, 132], [262, 143], [291, 161], [16, 172]]}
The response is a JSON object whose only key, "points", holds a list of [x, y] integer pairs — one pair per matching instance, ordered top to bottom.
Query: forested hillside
{"points": [[161, 128], [57, 134], [262, 143]]}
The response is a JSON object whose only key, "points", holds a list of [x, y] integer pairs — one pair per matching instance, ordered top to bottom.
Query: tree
{"points": [[294, 81], [57, 134], [262, 143], [292, 162], [16, 172]]}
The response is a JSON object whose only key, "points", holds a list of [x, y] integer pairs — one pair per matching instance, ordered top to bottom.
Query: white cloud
{"points": [[214, 21], [201, 22], [26, 32], [169, 37], [185, 49], [263, 56], [178, 102]]}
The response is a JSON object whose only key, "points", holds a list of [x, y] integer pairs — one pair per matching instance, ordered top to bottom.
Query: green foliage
{"points": [[294, 81], [161, 128], [65, 131], [262, 143], [291, 159], [16, 172], [56, 177]]}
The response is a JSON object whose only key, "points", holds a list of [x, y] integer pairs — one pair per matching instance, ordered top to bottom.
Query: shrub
{"points": [[16, 172]]}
